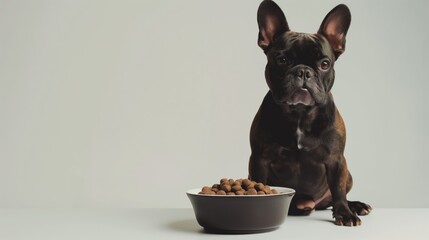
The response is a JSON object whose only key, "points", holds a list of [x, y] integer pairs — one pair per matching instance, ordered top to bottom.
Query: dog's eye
{"points": [[282, 60], [325, 64]]}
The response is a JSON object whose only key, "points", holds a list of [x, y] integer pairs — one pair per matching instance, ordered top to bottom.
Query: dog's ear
{"points": [[272, 23], [334, 27]]}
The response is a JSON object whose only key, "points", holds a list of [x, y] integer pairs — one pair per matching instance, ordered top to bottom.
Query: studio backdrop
{"points": [[131, 103]]}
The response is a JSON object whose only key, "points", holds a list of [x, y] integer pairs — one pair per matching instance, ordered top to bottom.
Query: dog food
{"points": [[238, 187]]}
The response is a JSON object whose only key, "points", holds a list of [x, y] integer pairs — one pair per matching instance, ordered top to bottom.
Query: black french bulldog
{"points": [[298, 136]]}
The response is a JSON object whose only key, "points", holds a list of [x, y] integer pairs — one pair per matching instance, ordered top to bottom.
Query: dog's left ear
{"points": [[334, 27]]}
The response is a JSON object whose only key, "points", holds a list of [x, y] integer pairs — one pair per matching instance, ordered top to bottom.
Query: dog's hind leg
{"points": [[301, 205]]}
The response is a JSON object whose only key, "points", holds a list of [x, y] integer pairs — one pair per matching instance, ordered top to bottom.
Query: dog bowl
{"points": [[241, 214]]}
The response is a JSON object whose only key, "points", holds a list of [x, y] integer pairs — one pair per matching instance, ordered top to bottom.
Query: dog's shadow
{"points": [[312, 217]]}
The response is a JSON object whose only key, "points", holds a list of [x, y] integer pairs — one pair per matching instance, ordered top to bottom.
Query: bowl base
{"points": [[222, 231]]}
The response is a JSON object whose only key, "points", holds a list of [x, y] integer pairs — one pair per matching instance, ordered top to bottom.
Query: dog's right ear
{"points": [[272, 23]]}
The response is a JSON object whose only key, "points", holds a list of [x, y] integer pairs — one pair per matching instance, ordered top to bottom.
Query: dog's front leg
{"points": [[258, 168], [337, 174]]}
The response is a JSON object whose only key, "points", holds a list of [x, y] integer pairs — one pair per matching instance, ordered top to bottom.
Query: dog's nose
{"points": [[304, 73]]}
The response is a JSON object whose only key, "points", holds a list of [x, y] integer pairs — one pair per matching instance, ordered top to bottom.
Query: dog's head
{"points": [[300, 69]]}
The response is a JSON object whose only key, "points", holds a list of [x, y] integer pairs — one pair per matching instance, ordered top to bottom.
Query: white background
{"points": [[131, 103]]}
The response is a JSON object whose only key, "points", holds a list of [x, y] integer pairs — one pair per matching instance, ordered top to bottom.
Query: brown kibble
{"points": [[223, 180], [231, 181], [246, 182], [237, 183], [251, 185], [259, 186], [226, 187], [236, 188], [206, 189], [267, 189], [221, 192], [241, 192], [251, 192]]}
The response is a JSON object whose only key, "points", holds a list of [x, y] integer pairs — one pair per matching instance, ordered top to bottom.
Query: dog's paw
{"points": [[359, 208], [344, 217]]}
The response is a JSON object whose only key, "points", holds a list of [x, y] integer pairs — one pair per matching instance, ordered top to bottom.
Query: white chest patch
{"points": [[299, 136]]}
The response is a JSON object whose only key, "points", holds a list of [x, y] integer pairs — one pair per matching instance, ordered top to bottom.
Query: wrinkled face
{"points": [[300, 69]]}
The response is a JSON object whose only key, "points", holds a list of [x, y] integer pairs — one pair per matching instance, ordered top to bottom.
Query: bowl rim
{"points": [[282, 191]]}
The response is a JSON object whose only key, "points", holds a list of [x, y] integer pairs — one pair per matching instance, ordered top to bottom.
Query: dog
{"points": [[298, 136]]}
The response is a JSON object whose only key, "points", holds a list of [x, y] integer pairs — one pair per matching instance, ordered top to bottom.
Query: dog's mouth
{"points": [[301, 96]]}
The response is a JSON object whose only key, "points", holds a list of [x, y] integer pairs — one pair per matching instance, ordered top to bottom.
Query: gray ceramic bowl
{"points": [[241, 214]]}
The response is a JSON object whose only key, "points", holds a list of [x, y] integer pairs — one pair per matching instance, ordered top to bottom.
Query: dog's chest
{"points": [[305, 139]]}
